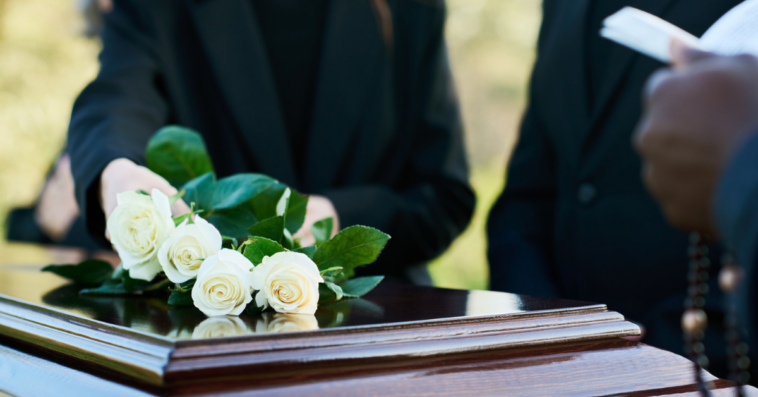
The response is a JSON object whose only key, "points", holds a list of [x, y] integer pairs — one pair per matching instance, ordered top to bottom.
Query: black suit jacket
{"points": [[386, 137], [736, 209], [575, 220]]}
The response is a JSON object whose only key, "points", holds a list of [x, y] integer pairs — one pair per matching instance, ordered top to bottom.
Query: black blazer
{"points": [[386, 134], [575, 220]]}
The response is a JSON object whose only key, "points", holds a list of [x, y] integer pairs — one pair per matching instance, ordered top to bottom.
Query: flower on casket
{"points": [[138, 227], [183, 252], [288, 282], [223, 285]]}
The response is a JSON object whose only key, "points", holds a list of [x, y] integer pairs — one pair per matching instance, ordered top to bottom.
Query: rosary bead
{"points": [[705, 263], [729, 278], [694, 320], [742, 349], [743, 363]]}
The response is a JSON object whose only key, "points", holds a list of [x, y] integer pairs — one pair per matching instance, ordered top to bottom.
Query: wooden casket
{"points": [[397, 340]]}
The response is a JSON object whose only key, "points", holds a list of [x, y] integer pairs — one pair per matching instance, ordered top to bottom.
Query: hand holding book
{"points": [[735, 33]]}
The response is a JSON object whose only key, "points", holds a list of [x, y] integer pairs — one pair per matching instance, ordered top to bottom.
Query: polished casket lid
{"points": [[145, 339]]}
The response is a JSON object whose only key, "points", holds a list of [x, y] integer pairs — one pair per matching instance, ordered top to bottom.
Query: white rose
{"points": [[138, 227], [183, 252], [288, 282], [223, 284], [287, 323], [220, 327]]}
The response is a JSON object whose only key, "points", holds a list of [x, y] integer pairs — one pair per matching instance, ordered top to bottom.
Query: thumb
{"points": [[683, 55], [180, 207]]}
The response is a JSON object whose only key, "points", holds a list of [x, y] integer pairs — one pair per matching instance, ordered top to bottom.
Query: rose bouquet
{"points": [[234, 250]]}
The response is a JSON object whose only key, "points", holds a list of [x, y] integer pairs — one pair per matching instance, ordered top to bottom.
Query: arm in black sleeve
{"points": [[117, 113], [435, 203], [736, 210], [520, 224]]}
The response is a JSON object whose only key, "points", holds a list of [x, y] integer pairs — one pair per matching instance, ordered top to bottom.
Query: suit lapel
{"points": [[237, 53], [623, 58], [351, 59], [565, 92]]}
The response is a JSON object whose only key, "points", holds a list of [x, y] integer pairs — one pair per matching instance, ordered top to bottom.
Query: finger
{"points": [[105, 5], [683, 55], [655, 81], [639, 134], [180, 207], [307, 241]]}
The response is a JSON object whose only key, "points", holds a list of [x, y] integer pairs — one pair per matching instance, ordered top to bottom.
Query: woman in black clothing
{"points": [[350, 101]]}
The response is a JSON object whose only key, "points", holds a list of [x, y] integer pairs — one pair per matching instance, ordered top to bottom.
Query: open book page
{"points": [[645, 33], [734, 33]]}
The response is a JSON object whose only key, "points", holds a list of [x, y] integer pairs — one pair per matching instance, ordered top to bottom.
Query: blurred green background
{"points": [[45, 61]]}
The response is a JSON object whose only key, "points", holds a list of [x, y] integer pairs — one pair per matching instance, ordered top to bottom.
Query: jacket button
{"points": [[586, 193]]}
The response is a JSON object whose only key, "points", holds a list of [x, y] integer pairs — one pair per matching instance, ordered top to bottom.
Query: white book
{"points": [[734, 33]]}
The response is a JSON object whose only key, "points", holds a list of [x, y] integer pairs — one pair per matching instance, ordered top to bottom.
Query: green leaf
{"points": [[178, 154], [237, 189], [200, 191], [180, 194], [264, 203], [295, 216], [181, 218], [233, 222], [272, 228], [322, 230], [287, 241], [259, 247], [352, 247], [310, 250], [90, 272], [331, 272], [133, 285], [187, 285], [112, 286], [357, 287], [108, 288], [334, 288], [325, 294], [178, 298], [253, 309]]}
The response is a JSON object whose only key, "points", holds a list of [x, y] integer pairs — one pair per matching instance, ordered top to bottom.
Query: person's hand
{"points": [[105, 6], [696, 116], [122, 175], [319, 207], [56, 208]]}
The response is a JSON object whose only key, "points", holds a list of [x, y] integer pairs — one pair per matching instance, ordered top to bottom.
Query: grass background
{"points": [[45, 62]]}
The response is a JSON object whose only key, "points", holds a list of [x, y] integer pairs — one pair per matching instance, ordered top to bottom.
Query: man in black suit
{"points": [[348, 100], [699, 142], [575, 220]]}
